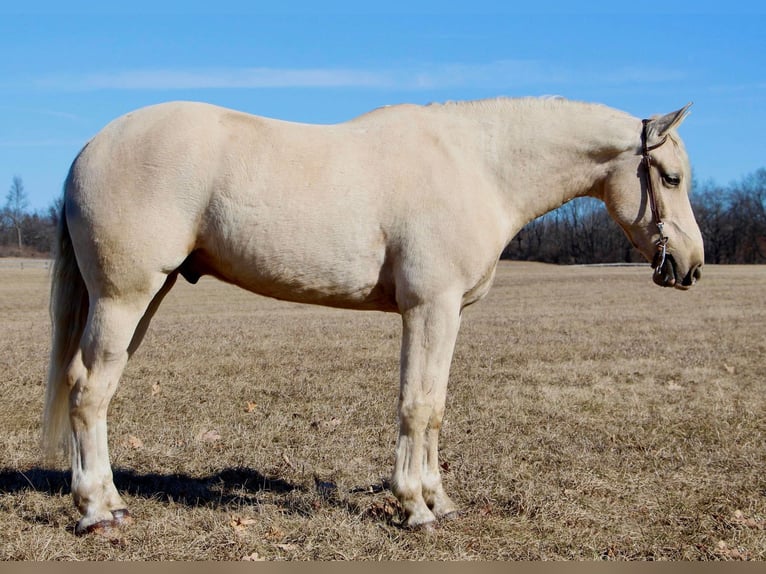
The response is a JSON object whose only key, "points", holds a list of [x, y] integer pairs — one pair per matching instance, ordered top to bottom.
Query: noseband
{"points": [[662, 242]]}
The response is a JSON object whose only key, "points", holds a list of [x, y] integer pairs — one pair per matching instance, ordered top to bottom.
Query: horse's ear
{"points": [[660, 125]]}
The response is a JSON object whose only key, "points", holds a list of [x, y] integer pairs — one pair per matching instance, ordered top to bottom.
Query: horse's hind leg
{"points": [[93, 376]]}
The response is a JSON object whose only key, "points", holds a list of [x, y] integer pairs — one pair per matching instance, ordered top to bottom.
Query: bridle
{"points": [[662, 242]]}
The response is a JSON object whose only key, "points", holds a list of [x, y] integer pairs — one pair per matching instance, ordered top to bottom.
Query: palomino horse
{"points": [[405, 209]]}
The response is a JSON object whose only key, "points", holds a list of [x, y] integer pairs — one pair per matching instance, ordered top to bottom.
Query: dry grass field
{"points": [[591, 415]]}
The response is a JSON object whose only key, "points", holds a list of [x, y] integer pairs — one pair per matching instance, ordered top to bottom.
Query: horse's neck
{"points": [[544, 153]]}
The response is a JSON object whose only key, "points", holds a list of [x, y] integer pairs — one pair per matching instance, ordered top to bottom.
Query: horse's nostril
{"points": [[692, 277]]}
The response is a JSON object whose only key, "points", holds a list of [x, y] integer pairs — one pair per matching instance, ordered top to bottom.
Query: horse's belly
{"points": [[321, 243], [302, 273], [327, 285]]}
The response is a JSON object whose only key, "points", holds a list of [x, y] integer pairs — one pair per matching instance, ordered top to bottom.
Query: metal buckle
{"points": [[662, 247]]}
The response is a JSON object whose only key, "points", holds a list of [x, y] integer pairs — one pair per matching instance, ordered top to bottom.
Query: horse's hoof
{"points": [[120, 517]]}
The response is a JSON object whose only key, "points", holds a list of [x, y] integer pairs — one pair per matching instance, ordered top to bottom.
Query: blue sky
{"points": [[65, 73]]}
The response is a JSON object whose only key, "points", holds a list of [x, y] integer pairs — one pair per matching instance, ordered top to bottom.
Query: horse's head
{"points": [[647, 193]]}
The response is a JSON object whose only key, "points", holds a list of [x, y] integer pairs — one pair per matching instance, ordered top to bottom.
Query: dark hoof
{"points": [[454, 515], [119, 519]]}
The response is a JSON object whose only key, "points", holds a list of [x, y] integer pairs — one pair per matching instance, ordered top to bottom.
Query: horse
{"points": [[404, 209]]}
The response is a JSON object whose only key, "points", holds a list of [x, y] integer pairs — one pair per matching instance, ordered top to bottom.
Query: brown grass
{"points": [[591, 415]]}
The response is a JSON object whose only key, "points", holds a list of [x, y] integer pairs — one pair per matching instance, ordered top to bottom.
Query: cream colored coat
{"points": [[404, 209]]}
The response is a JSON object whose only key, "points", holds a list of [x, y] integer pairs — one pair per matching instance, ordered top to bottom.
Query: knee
{"points": [[414, 416]]}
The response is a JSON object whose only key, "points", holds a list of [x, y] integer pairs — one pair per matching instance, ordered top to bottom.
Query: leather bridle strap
{"points": [[647, 160]]}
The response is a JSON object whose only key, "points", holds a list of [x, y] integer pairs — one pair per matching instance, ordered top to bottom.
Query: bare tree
{"points": [[16, 204], [748, 217]]}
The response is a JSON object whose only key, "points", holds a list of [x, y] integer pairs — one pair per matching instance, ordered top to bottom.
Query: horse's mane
{"points": [[547, 103]]}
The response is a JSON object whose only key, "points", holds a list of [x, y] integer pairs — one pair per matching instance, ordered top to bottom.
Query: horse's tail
{"points": [[69, 313]]}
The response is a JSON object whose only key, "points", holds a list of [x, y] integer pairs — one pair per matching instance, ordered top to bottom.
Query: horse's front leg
{"points": [[429, 334]]}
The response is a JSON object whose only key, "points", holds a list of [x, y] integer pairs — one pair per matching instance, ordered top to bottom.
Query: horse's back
{"points": [[207, 190], [304, 212]]}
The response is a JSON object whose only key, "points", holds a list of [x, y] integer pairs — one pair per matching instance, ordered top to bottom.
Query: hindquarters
{"points": [[135, 196], [119, 243], [107, 283]]}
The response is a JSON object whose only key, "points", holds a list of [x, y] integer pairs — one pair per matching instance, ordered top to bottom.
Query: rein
{"points": [[662, 242]]}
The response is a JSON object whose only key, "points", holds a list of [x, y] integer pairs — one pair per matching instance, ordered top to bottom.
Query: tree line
{"points": [[732, 219], [25, 233]]}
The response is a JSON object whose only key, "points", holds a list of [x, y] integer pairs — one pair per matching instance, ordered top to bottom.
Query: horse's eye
{"points": [[671, 180]]}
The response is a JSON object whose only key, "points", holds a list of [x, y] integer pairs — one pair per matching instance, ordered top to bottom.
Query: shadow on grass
{"points": [[231, 486], [219, 489]]}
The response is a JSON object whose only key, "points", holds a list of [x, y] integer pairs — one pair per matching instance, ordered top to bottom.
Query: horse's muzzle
{"points": [[666, 273]]}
